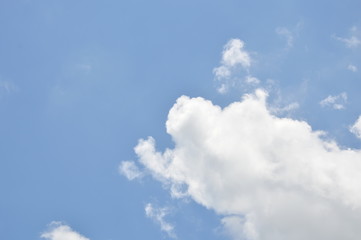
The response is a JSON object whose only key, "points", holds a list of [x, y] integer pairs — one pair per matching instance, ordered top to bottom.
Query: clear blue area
{"points": [[86, 79]]}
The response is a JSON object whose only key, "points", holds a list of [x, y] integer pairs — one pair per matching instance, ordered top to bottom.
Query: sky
{"points": [[196, 119]]}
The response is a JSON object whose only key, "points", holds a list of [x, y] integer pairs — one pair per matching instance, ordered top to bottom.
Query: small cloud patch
{"points": [[336, 102], [60, 231]]}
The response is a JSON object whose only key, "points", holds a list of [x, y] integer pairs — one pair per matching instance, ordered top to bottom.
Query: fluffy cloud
{"points": [[234, 54], [234, 59], [336, 102], [356, 128], [130, 170], [268, 177], [158, 215], [59, 231]]}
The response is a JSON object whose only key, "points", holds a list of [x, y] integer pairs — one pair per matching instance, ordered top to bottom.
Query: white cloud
{"points": [[284, 32], [353, 41], [350, 42], [234, 54], [235, 59], [352, 68], [222, 72], [223, 88], [336, 102], [356, 128], [129, 170], [268, 177], [158, 215], [59, 231]]}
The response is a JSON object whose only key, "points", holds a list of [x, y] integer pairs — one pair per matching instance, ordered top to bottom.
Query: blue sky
{"points": [[82, 82]]}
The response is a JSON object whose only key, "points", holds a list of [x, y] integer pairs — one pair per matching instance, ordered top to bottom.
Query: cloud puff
{"points": [[234, 54], [234, 59], [352, 68], [336, 102], [356, 128], [130, 170], [268, 177], [158, 215], [59, 231]]}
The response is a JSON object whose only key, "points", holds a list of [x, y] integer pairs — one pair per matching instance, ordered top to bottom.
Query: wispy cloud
{"points": [[284, 32], [289, 34], [353, 40], [352, 68], [252, 80], [336, 102], [285, 109], [130, 170], [268, 177], [158, 215], [60, 231]]}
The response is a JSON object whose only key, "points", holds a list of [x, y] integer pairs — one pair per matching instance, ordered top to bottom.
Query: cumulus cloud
{"points": [[353, 41], [235, 59], [352, 68], [336, 102], [356, 128], [130, 170], [268, 177], [158, 215], [59, 231]]}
